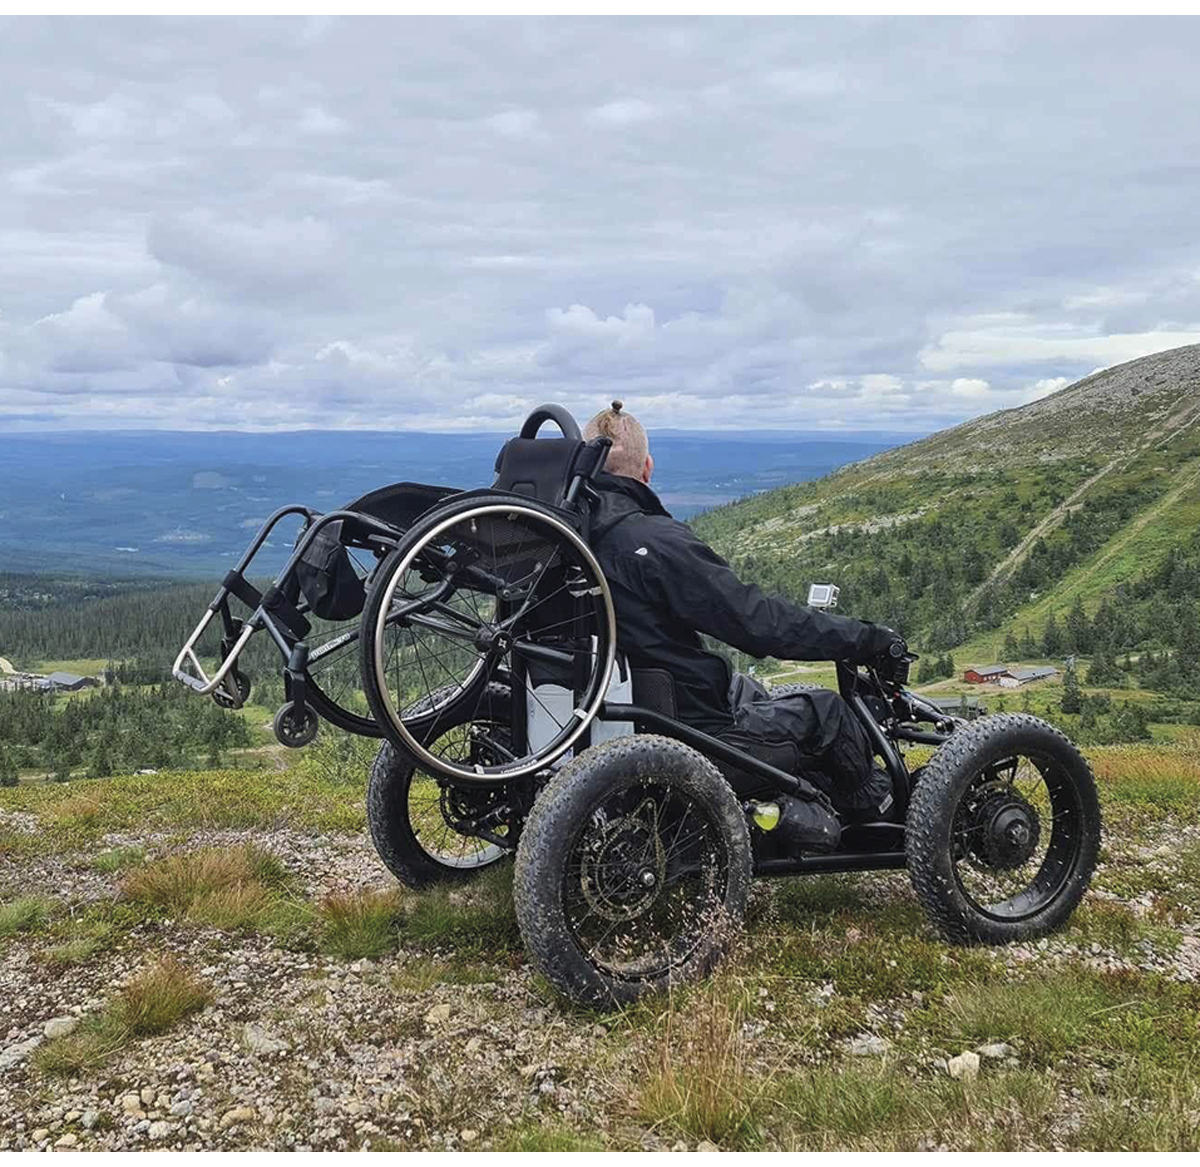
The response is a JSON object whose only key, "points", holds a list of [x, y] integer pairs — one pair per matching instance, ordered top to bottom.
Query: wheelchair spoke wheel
{"points": [[488, 590], [424, 827], [1003, 831], [632, 871], [645, 875]]}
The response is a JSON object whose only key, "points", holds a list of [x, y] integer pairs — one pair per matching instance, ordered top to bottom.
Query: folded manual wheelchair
{"points": [[489, 662]]}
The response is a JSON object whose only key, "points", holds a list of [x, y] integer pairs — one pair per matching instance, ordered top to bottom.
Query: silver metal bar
{"points": [[199, 679]]}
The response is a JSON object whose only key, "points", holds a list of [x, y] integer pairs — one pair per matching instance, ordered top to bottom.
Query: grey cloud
{"points": [[437, 223]]}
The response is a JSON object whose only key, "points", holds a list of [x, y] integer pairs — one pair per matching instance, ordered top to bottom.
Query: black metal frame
{"points": [[284, 621], [907, 709]]}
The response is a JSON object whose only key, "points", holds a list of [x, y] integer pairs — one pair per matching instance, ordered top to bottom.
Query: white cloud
{"points": [[625, 113], [438, 224]]}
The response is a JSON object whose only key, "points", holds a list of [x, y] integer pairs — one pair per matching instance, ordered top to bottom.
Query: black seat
{"points": [[540, 468]]}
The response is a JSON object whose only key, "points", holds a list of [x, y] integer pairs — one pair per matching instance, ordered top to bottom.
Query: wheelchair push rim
{"points": [[458, 606]]}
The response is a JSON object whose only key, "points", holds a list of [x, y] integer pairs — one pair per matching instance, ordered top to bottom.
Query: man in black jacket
{"points": [[669, 586]]}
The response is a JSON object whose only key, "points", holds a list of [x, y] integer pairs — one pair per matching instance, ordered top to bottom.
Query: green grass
{"points": [[76, 814], [119, 859], [25, 914], [358, 925], [154, 1001]]}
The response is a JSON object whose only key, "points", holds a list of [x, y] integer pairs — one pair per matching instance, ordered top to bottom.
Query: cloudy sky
{"points": [[845, 224]]}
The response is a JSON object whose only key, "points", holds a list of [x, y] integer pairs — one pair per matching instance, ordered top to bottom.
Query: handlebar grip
{"points": [[555, 413]]}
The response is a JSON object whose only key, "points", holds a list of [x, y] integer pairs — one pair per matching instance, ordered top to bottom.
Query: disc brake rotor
{"points": [[625, 865]]}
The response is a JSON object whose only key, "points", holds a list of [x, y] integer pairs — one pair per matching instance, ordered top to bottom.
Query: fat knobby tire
{"points": [[561, 813], [388, 815], [931, 817]]}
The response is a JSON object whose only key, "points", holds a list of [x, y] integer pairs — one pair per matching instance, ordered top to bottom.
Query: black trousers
{"points": [[810, 732]]}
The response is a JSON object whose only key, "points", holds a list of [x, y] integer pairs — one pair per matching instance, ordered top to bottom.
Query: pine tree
{"points": [[1079, 629], [1052, 640], [1012, 649], [1071, 693], [8, 768]]}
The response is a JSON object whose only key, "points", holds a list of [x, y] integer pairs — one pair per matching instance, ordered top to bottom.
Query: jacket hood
{"points": [[621, 497]]}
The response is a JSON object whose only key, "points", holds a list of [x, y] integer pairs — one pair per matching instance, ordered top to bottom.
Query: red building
{"points": [[985, 674]]}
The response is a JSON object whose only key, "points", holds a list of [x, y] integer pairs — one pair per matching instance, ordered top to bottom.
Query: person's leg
{"points": [[818, 733]]}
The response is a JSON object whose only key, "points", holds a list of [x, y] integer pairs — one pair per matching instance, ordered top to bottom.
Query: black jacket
{"points": [[668, 586]]}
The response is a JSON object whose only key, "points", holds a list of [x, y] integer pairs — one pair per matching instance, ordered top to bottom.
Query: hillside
{"points": [[996, 525]]}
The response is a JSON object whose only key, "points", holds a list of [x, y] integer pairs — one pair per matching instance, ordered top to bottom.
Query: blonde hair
{"points": [[630, 445]]}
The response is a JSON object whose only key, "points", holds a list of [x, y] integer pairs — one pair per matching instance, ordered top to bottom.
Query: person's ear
{"points": [[648, 470]]}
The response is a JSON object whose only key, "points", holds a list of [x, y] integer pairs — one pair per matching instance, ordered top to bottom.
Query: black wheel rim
{"points": [[499, 592], [434, 808], [1016, 836], [645, 881]]}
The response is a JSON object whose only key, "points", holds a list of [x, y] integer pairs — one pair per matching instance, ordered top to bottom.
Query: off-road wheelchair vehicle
{"points": [[490, 664]]}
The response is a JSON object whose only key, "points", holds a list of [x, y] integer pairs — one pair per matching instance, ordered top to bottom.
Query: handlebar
{"points": [[555, 413]]}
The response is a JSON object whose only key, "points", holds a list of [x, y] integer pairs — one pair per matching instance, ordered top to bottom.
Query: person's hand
{"points": [[882, 641]]}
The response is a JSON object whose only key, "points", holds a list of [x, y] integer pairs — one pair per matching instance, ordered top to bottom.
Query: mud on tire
{"points": [[1003, 831], [633, 870]]}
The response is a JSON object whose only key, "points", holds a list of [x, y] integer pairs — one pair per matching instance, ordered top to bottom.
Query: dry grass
{"points": [[227, 888], [152, 1002], [695, 1079]]}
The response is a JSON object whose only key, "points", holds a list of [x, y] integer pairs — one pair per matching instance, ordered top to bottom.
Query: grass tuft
{"points": [[119, 859], [233, 889], [26, 914], [361, 924], [151, 1003], [695, 1078]]}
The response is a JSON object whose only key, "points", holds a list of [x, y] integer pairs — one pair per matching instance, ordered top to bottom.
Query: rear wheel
{"points": [[485, 588], [417, 822], [1003, 831], [633, 870]]}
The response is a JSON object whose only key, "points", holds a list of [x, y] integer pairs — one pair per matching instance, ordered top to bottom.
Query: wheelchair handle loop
{"points": [[556, 414]]}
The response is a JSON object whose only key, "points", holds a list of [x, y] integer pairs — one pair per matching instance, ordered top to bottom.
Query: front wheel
{"points": [[1003, 831], [632, 872]]}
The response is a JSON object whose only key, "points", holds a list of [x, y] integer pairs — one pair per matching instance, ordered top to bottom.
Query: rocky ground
{"points": [[842, 1021]]}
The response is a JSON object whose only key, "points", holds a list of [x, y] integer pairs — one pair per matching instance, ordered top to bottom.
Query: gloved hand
{"points": [[880, 641]]}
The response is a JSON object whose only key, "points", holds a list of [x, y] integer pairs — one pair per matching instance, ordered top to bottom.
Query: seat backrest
{"points": [[541, 468], [654, 689]]}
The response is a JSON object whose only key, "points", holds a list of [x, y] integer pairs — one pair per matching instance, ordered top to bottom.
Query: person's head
{"points": [[630, 453]]}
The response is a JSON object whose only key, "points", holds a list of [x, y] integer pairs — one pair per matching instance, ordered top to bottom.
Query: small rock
{"points": [[438, 1015], [60, 1026], [599, 1031], [259, 1041], [474, 1045], [869, 1045], [998, 1050], [11, 1055], [965, 1067], [147, 1096], [131, 1103], [181, 1109], [236, 1115], [89, 1118], [159, 1130], [40, 1135], [468, 1136], [68, 1140], [707, 1147]]}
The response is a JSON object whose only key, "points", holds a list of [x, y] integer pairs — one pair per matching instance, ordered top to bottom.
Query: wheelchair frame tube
{"points": [[200, 681]]}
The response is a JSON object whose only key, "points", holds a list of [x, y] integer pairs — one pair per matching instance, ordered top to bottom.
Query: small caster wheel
{"points": [[225, 701], [295, 727]]}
